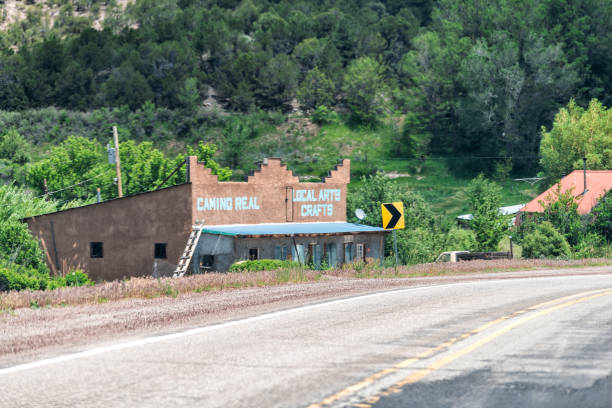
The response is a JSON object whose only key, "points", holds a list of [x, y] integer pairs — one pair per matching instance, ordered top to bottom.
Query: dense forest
{"points": [[466, 77], [444, 89]]}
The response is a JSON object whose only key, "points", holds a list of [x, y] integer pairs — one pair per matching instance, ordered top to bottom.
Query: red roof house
{"points": [[598, 182]]}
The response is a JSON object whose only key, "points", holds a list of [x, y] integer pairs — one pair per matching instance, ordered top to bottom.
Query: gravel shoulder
{"points": [[29, 334]]}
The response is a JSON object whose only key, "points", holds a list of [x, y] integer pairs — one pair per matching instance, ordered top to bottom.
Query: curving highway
{"points": [[539, 342]]}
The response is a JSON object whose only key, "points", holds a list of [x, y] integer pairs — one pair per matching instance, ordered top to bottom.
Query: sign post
{"points": [[393, 219]]}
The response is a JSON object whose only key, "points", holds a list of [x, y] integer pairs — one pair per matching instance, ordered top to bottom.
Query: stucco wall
{"points": [[271, 195], [128, 227]]}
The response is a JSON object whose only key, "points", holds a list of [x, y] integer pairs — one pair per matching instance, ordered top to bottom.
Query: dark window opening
{"points": [[96, 249], [160, 251], [253, 254], [206, 263]]}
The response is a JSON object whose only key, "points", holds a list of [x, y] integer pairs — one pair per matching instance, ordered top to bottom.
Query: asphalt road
{"points": [[544, 342]]}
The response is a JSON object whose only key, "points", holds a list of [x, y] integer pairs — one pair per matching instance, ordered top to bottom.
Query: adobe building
{"points": [[270, 216]]}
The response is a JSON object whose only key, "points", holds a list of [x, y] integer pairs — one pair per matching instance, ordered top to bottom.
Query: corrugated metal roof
{"points": [[598, 183], [511, 209], [288, 229]]}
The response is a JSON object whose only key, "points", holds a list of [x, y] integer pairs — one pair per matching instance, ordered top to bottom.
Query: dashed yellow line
{"points": [[417, 375]]}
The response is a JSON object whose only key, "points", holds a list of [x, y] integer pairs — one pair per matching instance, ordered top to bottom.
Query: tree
{"points": [[277, 81], [316, 90], [366, 92], [189, 96], [575, 134], [415, 137], [236, 140], [14, 147], [206, 153], [14, 154], [67, 166], [561, 210], [602, 217], [487, 222], [15, 241], [419, 241]]}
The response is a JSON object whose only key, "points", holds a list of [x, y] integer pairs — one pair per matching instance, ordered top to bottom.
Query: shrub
{"points": [[323, 115], [459, 239], [545, 242], [591, 246], [262, 265], [12, 278], [18, 278], [77, 278]]}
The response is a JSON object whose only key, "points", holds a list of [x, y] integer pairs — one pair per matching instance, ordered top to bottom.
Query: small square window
{"points": [[96, 249], [160, 251]]}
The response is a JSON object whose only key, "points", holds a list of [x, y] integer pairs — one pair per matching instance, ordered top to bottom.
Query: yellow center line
{"points": [[429, 352], [418, 375]]}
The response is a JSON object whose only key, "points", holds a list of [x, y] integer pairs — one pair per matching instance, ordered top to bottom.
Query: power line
{"points": [[462, 158], [70, 186], [61, 189]]}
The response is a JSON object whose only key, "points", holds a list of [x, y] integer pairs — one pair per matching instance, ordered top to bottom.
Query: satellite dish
{"points": [[359, 213]]}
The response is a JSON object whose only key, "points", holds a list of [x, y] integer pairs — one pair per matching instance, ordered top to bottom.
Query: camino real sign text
{"points": [[322, 200], [227, 203]]}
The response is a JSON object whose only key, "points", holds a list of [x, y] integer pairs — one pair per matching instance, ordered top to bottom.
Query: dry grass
{"points": [[147, 288]]}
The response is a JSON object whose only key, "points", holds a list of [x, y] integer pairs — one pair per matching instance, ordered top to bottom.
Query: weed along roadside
{"points": [[151, 288]]}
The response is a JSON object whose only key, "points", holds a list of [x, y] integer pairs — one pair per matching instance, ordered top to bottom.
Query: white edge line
{"points": [[199, 330]]}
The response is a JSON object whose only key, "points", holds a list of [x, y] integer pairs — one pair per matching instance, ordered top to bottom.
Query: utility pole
{"points": [[117, 161]]}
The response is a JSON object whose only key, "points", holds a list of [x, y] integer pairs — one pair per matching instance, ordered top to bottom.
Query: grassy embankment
{"points": [[437, 180], [148, 288]]}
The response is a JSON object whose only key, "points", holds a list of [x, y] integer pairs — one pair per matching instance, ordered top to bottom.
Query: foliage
{"points": [[475, 79], [316, 90], [366, 90], [323, 115], [577, 133], [236, 137], [205, 153], [14, 154], [74, 160], [78, 165], [561, 210], [602, 217], [487, 223], [459, 239], [418, 242], [545, 242], [16, 244], [592, 245], [262, 265], [19, 278], [14, 279]]}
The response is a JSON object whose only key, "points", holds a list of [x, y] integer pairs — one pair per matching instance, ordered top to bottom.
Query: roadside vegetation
{"points": [[149, 288]]}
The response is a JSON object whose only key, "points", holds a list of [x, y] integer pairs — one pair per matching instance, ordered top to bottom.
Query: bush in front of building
{"points": [[545, 242], [262, 265], [17, 277], [75, 277], [13, 278]]}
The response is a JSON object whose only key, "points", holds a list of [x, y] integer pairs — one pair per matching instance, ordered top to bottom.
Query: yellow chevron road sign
{"points": [[393, 215]]}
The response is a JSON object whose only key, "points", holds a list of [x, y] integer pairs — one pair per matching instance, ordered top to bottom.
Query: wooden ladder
{"points": [[185, 259]]}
